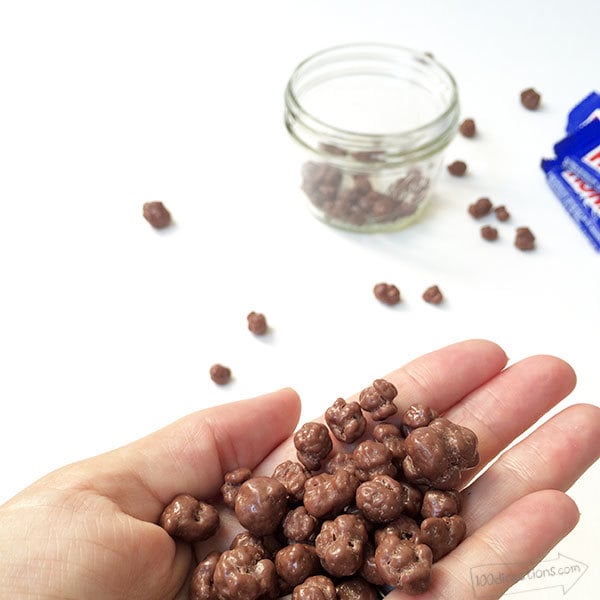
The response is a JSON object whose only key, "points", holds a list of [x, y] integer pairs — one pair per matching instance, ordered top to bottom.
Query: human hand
{"points": [[88, 530]]}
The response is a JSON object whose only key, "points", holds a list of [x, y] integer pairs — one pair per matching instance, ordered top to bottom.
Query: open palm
{"points": [[89, 530]]}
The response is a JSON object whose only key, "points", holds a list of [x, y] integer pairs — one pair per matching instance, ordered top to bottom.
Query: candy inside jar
{"points": [[371, 122]]}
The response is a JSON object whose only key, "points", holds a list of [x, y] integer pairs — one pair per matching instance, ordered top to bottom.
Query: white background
{"points": [[108, 328]]}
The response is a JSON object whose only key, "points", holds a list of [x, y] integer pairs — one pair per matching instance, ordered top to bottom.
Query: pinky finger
{"points": [[511, 544]]}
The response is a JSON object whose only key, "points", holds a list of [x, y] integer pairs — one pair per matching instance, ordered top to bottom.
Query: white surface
{"points": [[107, 328]]}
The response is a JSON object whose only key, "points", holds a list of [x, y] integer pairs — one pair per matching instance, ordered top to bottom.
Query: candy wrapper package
{"points": [[585, 112], [574, 175], [580, 200]]}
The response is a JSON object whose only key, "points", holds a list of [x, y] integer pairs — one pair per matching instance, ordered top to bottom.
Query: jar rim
{"points": [[443, 124]]}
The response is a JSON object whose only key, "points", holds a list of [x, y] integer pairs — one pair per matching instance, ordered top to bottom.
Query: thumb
{"points": [[190, 455]]}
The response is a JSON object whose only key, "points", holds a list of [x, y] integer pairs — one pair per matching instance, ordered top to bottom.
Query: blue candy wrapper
{"points": [[584, 112], [580, 153], [574, 175], [581, 200]]}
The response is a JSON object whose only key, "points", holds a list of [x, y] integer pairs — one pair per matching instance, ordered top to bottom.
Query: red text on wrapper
{"points": [[592, 158], [590, 196]]}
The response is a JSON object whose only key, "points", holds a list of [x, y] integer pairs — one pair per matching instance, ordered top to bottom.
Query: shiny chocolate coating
{"points": [[345, 420], [313, 444], [261, 504], [189, 519], [341, 545], [243, 574]]}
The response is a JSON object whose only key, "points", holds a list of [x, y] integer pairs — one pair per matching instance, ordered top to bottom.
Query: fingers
{"points": [[445, 376], [438, 379], [507, 405], [190, 455], [552, 457], [515, 509], [511, 527], [509, 546]]}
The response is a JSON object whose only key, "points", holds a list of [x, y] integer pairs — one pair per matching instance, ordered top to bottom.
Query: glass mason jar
{"points": [[372, 122]]}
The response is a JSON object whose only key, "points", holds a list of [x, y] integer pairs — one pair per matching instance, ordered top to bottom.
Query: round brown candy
{"points": [[530, 99], [467, 128], [457, 168], [480, 208], [502, 213], [156, 214], [489, 233], [524, 239], [387, 293], [433, 295], [257, 323], [220, 374], [378, 399], [417, 415], [346, 420], [391, 437], [313, 444], [438, 453], [371, 458], [340, 460], [293, 476], [232, 481], [326, 495], [379, 499], [440, 503], [261, 504], [189, 519], [300, 526], [404, 528], [442, 534], [245, 538], [341, 545], [297, 562], [403, 564], [243, 574], [201, 582], [317, 587], [356, 589]]}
